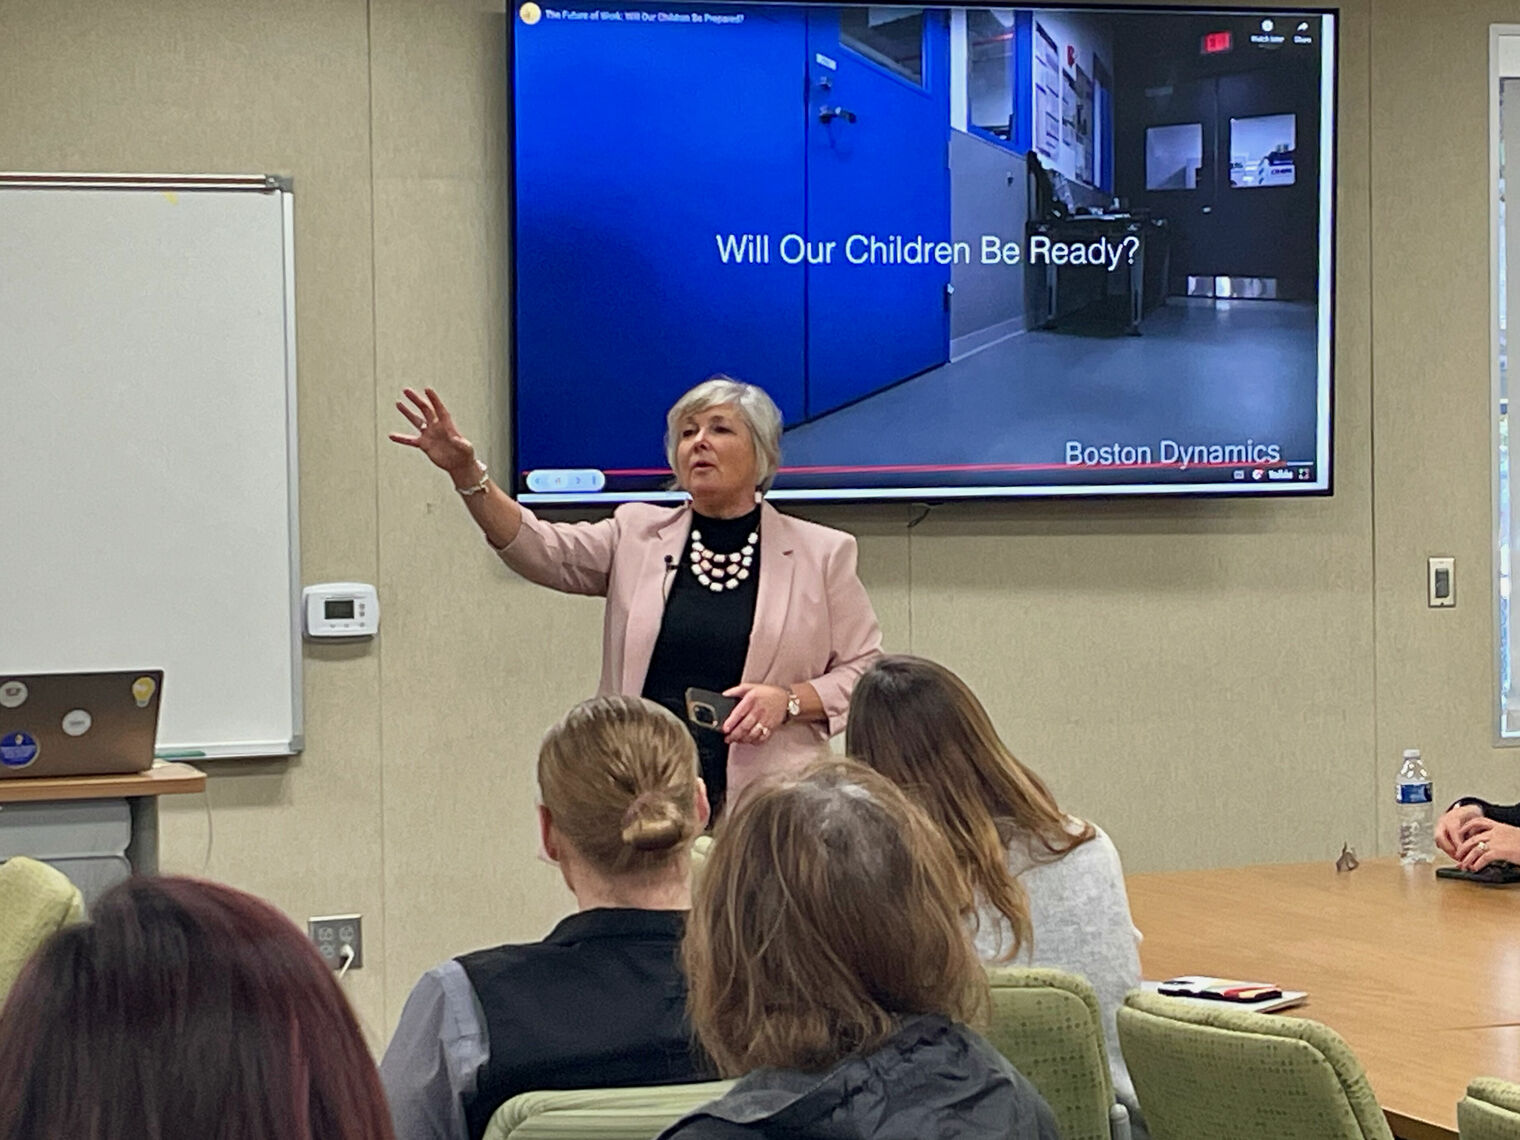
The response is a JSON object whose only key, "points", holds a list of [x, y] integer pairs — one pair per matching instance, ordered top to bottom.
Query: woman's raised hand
{"points": [[437, 437], [498, 517]]}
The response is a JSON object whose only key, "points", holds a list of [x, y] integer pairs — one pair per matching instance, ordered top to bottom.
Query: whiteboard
{"points": [[148, 482]]}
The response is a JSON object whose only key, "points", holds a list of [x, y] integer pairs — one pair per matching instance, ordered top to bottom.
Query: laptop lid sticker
{"points": [[18, 749]]}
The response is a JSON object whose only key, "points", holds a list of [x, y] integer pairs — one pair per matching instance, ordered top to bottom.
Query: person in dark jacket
{"points": [[1475, 833], [829, 959], [600, 1002]]}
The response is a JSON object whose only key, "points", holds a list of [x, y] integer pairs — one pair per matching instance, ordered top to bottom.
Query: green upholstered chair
{"points": [[701, 847], [35, 900], [1047, 1023], [1205, 1073], [1490, 1110], [599, 1114]]}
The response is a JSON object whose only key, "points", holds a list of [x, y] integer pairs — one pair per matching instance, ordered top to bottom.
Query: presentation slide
{"points": [[970, 252]]}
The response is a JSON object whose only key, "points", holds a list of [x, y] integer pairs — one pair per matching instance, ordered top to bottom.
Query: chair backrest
{"points": [[701, 847], [35, 900], [1047, 1023], [1205, 1073], [1490, 1110], [599, 1114]]}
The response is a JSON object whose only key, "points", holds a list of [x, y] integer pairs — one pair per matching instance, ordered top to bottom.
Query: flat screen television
{"points": [[970, 252]]}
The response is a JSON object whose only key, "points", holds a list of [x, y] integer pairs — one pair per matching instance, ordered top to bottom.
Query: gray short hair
{"points": [[758, 410]]}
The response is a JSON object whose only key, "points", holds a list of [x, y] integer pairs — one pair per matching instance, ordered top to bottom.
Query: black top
{"points": [[704, 636], [1499, 813], [599, 1003]]}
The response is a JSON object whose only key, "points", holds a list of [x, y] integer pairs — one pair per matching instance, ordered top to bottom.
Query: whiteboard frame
{"points": [[233, 183], [293, 459]]}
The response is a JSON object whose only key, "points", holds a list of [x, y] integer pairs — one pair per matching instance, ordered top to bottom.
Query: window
{"points": [[892, 37], [989, 70], [1504, 112], [1262, 150], [1173, 156]]}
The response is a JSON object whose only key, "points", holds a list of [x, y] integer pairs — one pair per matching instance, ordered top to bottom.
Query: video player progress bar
{"points": [[579, 479]]}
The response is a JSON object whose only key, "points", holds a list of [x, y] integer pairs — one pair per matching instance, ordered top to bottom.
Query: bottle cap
{"points": [[1411, 754]]}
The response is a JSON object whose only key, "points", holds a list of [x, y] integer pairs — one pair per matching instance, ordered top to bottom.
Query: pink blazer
{"points": [[813, 620]]}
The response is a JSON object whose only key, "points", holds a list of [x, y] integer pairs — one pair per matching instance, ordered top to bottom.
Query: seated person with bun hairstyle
{"points": [[830, 959], [601, 1001]]}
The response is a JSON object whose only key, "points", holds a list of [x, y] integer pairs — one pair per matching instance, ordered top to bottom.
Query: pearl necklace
{"points": [[719, 572]]}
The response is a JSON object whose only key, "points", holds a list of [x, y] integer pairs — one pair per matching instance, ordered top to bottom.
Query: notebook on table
{"points": [[78, 724], [1204, 991]]}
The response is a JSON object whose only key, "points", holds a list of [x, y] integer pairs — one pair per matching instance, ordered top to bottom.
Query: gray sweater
{"points": [[1079, 912]]}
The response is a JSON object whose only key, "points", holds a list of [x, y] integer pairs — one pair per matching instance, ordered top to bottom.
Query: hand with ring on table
{"points": [[760, 712], [1449, 826], [1483, 841]]}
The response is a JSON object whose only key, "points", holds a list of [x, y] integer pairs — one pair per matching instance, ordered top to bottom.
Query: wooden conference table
{"points": [[1420, 976]]}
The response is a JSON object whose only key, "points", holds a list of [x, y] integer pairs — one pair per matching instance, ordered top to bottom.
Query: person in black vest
{"points": [[600, 1002]]}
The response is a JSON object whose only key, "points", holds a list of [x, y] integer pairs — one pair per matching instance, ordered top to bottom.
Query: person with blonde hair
{"points": [[722, 593], [1050, 888], [829, 960], [601, 1001]]}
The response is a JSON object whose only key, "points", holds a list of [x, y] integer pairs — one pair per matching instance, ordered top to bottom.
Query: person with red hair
{"points": [[184, 1010]]}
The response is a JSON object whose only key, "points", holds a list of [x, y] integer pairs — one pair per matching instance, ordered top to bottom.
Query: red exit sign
{"points": [[1216, 42]]}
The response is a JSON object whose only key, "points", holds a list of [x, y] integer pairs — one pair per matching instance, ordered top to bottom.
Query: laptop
{"points": [[78, 724]]}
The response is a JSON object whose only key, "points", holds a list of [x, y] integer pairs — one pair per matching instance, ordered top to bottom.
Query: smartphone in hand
{"points": [[707, 709]]}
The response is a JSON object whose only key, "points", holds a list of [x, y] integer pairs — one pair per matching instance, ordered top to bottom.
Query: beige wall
{"points": [[1431, 465], [1213, 682]]}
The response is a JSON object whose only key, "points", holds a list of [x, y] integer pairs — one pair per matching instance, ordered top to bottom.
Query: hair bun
{"points": [[653, 822]]}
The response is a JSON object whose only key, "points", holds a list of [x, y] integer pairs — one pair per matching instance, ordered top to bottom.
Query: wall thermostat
{"points": [[341, 609]]}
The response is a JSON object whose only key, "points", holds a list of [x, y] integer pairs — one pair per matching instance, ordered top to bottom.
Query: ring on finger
{"points": [[1482, 845]]}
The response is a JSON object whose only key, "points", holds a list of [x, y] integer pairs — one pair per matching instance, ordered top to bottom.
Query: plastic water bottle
{"points": [[1416, 805]]}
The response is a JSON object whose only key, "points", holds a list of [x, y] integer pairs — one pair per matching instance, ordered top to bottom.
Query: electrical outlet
{"points": [[1441, 583], [333, 932]]}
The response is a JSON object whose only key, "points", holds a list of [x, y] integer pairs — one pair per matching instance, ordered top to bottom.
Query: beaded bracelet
{"points": [[476, 488]]}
